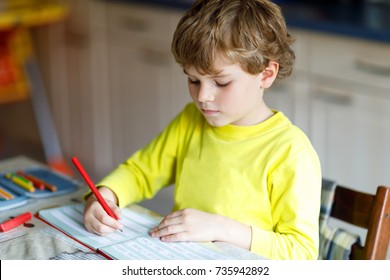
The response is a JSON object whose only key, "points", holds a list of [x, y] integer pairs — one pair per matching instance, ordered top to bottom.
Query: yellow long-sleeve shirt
{"points": [[267, 176]]}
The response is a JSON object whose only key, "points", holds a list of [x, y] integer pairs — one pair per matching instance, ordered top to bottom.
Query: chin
{"points": [[216, 123]]}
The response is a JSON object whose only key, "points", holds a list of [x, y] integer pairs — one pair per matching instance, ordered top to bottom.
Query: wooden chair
{"points": [[371, 212]]}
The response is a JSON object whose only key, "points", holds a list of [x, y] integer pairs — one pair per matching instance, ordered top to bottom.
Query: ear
{"points": [[269, 74]]}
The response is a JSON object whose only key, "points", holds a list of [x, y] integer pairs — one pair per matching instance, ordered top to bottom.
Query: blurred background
{"points": [[104, 83]]}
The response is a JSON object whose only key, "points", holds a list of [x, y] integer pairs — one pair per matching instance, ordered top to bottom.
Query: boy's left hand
{"points": [[187, 225], [194, 225]]}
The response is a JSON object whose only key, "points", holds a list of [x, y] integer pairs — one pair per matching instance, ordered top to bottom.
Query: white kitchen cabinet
{"points": [[65, 57], [354, 60], [141, 75], [111, 79], [139, 90], [339, 94], [281, 97], [350, 101], [351, 131], [102, 159]]}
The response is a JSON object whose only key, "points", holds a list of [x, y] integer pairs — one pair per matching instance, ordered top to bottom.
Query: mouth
{"points": [[209, 112]]}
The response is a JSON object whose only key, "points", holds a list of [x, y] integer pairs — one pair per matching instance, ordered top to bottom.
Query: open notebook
{"points": [[134, 242]]}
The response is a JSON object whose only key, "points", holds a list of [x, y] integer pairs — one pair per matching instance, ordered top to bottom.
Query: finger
{"points": [[118, 213], [175, 214], [104, 218], [175, 218], [108, 221], [99, 222], [167, 222], [94, 225], [100, 229], [103, 229], [168, 230], [176, 237]]}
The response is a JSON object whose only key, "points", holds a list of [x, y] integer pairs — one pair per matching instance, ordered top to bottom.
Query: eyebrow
{"points": [[213, 76]]}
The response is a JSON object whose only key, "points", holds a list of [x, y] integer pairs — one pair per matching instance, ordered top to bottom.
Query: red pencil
{"points": [[93, 188]]}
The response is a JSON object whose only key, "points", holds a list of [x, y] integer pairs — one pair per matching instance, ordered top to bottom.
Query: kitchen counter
{"points": [[366, 21]]}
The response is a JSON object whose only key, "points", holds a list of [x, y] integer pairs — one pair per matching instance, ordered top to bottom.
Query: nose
{"points": [[205, 94]]}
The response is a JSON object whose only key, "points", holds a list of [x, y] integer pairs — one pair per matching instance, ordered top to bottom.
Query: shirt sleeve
{"points": [[148, 170], [295, 193]]}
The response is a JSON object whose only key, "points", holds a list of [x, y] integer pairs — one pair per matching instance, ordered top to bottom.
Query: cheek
{"points": [[230, 97], [240, 97]]}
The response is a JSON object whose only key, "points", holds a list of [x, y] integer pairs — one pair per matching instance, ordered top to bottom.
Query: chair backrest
{"points": [[371, 212]]}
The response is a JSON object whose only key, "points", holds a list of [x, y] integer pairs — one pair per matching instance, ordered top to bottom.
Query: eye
{"points": [[194, 82], [219, 84]]}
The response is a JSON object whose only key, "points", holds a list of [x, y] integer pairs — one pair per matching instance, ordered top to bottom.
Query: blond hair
{"points": [[249, 32]]}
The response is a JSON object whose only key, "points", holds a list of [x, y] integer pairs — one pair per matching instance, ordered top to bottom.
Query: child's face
{"points": [[231, 97]]}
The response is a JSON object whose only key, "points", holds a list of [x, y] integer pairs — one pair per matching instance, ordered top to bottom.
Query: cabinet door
{"points": [[354, 60], [140, 92], [279, 97], [292, 98], [351, 132]]}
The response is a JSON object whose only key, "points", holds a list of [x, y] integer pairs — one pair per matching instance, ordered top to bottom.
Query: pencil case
{"points": [[13, 195]]}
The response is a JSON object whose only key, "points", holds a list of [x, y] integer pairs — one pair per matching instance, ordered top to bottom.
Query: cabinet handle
{"points": [[373, 67], [332, 95]]}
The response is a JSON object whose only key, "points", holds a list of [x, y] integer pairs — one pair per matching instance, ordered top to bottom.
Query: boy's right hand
{"points": [[96, 219]]}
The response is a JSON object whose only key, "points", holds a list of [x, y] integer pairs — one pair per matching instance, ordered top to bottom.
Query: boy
{"points": [[242, 172]]}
